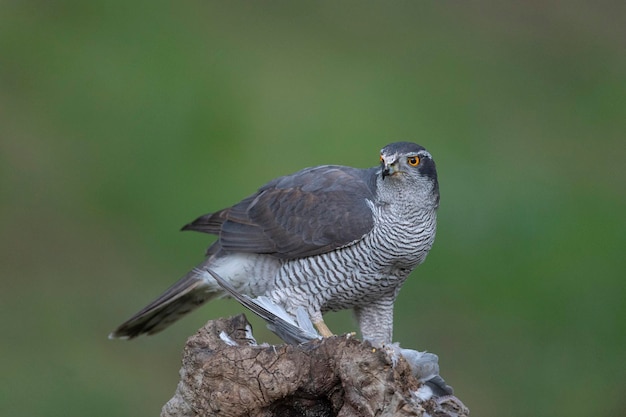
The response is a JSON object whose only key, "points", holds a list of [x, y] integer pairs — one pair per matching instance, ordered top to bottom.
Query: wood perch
{"points": [[225, 373]]}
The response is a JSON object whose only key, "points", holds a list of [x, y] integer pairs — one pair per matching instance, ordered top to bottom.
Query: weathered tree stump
{"points": [[225, 373]]}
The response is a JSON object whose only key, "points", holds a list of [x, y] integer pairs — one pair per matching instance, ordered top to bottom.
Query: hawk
{"points": [[325, 238]]}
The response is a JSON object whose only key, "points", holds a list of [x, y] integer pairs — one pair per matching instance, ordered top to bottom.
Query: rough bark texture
{"points": [[337, 376]]}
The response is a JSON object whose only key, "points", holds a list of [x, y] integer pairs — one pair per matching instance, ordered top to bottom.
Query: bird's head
{"points": [[409, 167]]}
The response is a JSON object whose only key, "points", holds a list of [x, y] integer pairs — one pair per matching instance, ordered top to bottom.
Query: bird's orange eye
{"points": [[413, 161]]}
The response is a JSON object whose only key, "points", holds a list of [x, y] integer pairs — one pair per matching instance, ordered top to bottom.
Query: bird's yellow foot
{"points": [[323, 328]]}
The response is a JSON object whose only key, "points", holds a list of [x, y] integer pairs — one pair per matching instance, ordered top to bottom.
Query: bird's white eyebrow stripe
{"points": [[422, 152]]}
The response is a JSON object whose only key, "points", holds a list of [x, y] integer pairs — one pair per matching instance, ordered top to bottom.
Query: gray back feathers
{"points": [[313, 211]]}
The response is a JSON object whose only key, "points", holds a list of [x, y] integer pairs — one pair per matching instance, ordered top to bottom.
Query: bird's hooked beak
{"points": [[389, 166]]}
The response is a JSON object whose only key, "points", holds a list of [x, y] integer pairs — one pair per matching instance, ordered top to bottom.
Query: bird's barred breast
{"points": [[358, 273]]}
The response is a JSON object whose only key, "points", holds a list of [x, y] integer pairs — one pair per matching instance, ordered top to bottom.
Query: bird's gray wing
{"points": [[307, 213]]}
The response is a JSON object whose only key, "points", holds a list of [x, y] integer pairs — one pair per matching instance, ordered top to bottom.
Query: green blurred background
{"points": [[120, 122]]}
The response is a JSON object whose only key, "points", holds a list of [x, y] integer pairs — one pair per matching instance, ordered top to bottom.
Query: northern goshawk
{"points": [[325, 238]]}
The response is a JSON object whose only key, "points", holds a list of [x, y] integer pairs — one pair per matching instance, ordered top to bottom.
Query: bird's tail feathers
{"points": [[186, 295]]}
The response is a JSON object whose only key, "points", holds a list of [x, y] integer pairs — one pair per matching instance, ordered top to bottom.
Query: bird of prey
{"points": [[322, 239]]}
